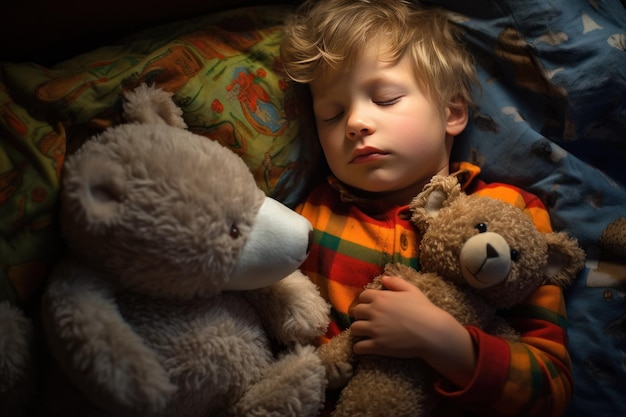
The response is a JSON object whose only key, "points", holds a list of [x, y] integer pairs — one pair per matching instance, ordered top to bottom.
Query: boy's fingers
{"points": [[395, 283]]}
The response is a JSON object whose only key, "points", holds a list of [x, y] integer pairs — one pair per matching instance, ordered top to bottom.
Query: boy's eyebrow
{"points": [[381, 80], [374, 81]]}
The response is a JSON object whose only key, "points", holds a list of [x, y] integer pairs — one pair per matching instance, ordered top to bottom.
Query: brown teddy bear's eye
{"points": [[481, 227], [234, 231], [515, 255]]}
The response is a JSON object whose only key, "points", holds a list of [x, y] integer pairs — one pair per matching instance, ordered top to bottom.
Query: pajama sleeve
{"points": [[530, 377]]}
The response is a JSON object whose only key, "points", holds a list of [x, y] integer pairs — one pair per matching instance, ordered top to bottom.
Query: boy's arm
{"points": [[531, 377]]}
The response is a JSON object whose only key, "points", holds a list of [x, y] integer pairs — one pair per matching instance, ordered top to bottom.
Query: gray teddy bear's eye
{"points": [[234, 231]]}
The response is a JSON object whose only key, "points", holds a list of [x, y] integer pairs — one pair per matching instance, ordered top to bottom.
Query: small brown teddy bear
{"points": [[477, 255], [179, 294]]}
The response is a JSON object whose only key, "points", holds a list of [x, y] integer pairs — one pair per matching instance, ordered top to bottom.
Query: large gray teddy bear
{"points": [[180, 293]]}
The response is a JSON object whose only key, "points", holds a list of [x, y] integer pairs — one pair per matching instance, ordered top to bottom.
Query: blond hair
{"points": [[329, 35]]}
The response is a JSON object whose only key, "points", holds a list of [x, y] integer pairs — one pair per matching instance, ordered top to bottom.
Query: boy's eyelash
{"points": [[388, 102], [380, 103], [332, 119]]}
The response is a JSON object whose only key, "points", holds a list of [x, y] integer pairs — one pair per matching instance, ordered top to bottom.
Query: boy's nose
{"points": [[358, 126], [354, 133]]}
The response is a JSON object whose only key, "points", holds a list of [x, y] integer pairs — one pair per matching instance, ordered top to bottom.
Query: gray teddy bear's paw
{"points": [[307, 313], [293, 386]]}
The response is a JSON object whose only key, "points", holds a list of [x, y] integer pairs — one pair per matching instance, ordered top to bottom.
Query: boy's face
{"points": [[379, 131]]}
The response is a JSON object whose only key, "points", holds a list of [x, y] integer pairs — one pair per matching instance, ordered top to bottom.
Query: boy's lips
{"points": [[366, 154]]}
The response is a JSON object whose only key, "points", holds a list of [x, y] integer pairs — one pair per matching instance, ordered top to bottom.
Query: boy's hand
{"points": [[402, 322]]}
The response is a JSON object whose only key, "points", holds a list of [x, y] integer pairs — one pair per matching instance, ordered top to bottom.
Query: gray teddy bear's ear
{"points": [[151, 105], [94, 189], [437, 194]]}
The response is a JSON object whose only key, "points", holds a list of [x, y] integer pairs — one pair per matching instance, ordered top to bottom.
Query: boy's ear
{"points": [[457, 116]]}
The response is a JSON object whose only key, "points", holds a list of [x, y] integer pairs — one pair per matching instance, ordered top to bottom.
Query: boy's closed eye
{"points": [[383, 102], [387, 102], [334, 118]]}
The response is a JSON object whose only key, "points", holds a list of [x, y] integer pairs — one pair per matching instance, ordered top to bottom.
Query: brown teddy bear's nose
{"points": [[491, 251]]}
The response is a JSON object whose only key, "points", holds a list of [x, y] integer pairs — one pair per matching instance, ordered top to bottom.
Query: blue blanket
{"points": [[552, 119]]}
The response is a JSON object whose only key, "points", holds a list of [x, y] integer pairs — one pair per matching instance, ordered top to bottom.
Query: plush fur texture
{"points": [[457, 230], [144, 315], [17, 361]]}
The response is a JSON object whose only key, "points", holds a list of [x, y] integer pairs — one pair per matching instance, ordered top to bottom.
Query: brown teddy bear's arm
{"points": [[98, 350]]}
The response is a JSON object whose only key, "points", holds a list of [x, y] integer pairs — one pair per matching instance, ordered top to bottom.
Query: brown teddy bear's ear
{"points": [[151, 105], [438, 193], [565, 259]]}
